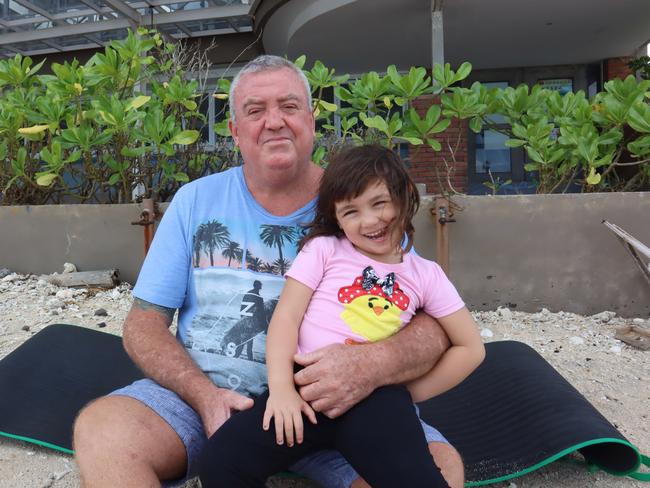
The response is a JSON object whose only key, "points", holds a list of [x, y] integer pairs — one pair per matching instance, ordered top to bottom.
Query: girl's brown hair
{"points": [[353, 169]]}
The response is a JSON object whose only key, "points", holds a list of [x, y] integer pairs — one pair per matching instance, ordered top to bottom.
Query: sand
{"points": [[613, 376]]}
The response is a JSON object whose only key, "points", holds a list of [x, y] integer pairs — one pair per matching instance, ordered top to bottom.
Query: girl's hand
{"points": [[286, 407]]}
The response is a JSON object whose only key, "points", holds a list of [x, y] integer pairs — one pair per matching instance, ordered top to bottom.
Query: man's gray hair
{"points": [[266, 62]]}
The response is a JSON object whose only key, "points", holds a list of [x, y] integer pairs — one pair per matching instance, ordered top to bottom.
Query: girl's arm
{"points": [[282, 337], [463, 357], [285, 404]]}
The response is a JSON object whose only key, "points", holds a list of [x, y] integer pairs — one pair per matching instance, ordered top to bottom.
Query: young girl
{"points": [[352, 282]]}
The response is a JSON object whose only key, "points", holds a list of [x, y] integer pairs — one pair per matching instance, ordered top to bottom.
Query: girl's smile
{"points": [[367, 221]]}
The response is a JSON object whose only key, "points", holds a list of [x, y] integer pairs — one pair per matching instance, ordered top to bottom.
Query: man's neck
{"points": [[287, 193]]}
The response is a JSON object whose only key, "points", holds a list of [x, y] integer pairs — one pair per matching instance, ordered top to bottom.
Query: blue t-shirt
{"points": [[220, 258]]}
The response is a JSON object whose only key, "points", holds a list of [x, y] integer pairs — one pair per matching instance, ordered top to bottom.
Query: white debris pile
{"points": [[28, 304]]}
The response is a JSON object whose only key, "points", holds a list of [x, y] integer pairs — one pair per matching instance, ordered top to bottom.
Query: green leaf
{"points": [[300, 62], [463, 71], [138, 102], [189, 104], [330, 107], [108, 117], [639, 118], [376, 122], [476, 125], [440, 126], [35, 129], [222, 129], [612, 136], [185, 137], [411, 140], [514, 143], [433, 144], [640, 147], [132, 152], [318, 155], [534, 155], [73, 157], [531, 166], [115, 177], [182, 177], [593, 178], [45, 179]]}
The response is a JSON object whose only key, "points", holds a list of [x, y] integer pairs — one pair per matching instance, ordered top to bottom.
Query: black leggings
{"points": [[381, 437]]}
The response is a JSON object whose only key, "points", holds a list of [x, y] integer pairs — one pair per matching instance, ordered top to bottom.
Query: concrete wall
{"points": [[39, 239], [524, 251], [534, 251]]}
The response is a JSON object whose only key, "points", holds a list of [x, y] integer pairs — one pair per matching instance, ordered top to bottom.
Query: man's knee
{"points": [[87, 425], [102, 426], [121, 433], [448, 459]]}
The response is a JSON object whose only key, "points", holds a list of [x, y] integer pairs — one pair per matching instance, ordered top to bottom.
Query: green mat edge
{"points": [[36, 441], [563, 453], [517, 474]]}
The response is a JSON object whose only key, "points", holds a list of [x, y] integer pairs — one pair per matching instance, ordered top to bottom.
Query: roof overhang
{"points": [[34, 27], [360, 35]]}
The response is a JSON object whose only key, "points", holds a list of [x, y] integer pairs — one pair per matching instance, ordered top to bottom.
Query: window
{"points": [[561, 85], [491, 154]]}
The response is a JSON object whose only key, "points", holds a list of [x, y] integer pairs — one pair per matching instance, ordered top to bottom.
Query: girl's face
{"points": [[367, 222]]}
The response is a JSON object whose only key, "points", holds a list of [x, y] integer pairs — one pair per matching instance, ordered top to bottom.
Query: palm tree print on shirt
{"points": [[277, 236], [208, 237], [197, 244], [233, 251], [253, 263]]}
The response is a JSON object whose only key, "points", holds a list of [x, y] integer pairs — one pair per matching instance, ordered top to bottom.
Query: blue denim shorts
{"points": [[328, 467]]}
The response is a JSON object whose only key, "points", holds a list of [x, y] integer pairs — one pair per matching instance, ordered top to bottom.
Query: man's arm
{"points": [[161, 357], [339, 376]]}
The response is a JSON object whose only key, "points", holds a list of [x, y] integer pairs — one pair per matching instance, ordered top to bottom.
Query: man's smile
{"points": [[276, 140]]}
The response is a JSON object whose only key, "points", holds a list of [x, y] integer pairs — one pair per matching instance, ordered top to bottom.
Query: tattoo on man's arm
{"points": [[145, 305]]}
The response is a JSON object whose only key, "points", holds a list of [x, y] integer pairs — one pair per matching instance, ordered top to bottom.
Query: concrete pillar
{"points": [[437, 34]]}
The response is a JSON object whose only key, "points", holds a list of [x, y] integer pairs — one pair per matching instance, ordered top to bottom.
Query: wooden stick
{"points": [[104, 278], [638, 337]]}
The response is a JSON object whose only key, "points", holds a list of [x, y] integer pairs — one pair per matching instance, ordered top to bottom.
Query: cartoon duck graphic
{"points": [[372, 306]]}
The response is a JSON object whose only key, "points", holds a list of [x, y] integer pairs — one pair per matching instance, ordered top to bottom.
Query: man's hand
{"points": [[335, 378], [218, 405]]}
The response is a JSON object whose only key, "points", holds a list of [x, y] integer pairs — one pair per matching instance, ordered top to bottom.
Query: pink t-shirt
{"points": [[353, 300]]}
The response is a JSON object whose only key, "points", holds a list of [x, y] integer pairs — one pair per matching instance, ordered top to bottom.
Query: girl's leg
{"points": [[383, 440], [241, 454]]}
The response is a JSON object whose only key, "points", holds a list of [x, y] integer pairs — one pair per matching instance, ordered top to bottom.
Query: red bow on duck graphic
{"points": [[373, 306]]}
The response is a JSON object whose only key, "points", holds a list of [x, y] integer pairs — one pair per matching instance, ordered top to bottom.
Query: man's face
{"points": [[274, 126]]}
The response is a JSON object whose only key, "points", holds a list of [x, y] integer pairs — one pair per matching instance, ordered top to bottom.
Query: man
{"points": [[154, 429]]}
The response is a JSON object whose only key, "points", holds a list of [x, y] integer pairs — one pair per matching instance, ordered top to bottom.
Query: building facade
{"points": [[565, 46]]}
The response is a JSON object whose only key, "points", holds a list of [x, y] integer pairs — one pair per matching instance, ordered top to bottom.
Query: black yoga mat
{"points": [[46, 381], [516, 413], [511, 416]]}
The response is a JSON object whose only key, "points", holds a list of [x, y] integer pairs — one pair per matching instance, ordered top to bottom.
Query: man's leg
{"points": [[119, 441], [448, 460], [450, 463]]}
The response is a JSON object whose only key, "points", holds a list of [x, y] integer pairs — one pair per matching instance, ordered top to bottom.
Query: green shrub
{"points": [[91, 134]]}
